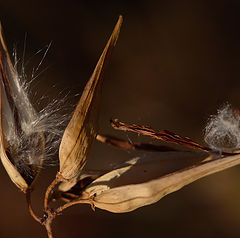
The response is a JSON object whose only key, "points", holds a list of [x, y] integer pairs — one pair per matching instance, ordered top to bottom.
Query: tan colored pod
{"points": [[15, 110], [83, 126], [143, 169], [14, 175], [110, 192]]}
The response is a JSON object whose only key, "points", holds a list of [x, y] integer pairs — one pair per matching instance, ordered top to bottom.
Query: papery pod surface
{"points": [[83, 126], [21, 150], [111, 192]]}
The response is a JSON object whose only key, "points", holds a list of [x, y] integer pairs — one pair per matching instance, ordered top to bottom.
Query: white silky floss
{"points": [[222, 132]]}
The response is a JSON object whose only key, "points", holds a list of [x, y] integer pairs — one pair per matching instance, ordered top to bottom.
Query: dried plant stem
{"points": [[126, 145], [50, 188], [28, 198], [75, 202], [50, 214], [53, 214], [49, 227]]}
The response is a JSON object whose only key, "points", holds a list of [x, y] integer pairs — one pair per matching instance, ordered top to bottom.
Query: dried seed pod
{"points": [[83, 126], [21, 146], [141, 169], [125, 189]]}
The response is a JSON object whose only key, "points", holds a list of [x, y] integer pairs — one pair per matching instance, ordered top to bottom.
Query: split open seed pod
{"points": [[83, 126], [21, 147], [141, 182]]}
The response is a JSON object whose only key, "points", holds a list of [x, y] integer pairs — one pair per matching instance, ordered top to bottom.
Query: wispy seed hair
{"points": [[222, 132]]}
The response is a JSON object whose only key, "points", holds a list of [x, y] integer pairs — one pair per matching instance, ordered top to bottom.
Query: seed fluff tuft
{"points": [[222, 132], [32, 138]]}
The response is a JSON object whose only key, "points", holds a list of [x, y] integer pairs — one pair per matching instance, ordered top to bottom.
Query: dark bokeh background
{"points": [[175, 63]]}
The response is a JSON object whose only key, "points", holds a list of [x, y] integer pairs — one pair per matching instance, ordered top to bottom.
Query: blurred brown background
{"points": [[175, 63]]}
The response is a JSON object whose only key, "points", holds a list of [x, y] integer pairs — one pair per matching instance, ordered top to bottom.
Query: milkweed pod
{"points": [[83, 126], [21, 147], [12, 171], [139, 171], [143, 183], [130, 185]]}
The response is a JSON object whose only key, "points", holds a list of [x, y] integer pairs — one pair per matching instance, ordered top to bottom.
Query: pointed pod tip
{"points": [[120, 18], [116, 31], [2, 42], [83, 126]]}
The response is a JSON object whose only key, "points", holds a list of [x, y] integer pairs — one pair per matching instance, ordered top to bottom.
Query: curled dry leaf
{"points": [[16, 120], [83, 126], [140, 184]]}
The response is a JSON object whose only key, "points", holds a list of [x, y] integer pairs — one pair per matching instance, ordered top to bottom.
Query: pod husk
{"points": [[13, 95], [83, 126], [118, 193]]}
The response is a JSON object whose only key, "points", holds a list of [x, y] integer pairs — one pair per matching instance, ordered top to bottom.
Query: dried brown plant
{"points": [[136, 183]]}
